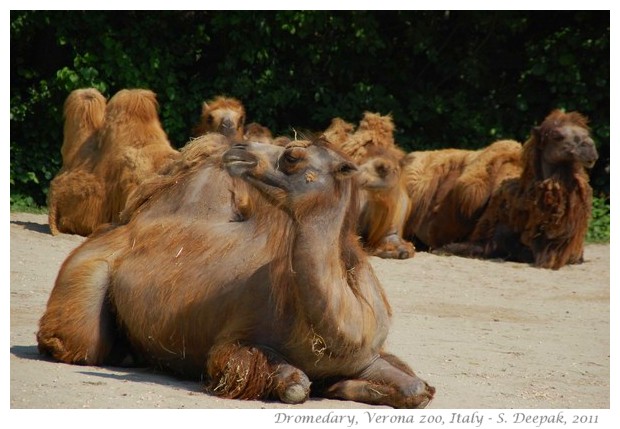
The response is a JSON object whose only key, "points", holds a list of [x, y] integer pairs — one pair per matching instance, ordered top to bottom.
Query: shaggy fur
{"points": [[84, 112], [223, 115], [374, 130], [338, 132], [257, 133], [133, 147], [449, 189], [75, 194], [384, 201], [386, 204], [456, 215], [542, 216], [298, 295]]}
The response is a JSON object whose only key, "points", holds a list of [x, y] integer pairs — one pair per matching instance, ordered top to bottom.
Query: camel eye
{"points": [[209, 119], [293, 156], [290, 158]]}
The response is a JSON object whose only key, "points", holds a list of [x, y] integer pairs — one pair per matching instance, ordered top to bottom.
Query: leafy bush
{"points": [[450, 79], [599, 227]]}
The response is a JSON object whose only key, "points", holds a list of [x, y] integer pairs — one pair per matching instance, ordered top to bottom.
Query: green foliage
{"points": [[449, 79], [25, 204], [599, 227]]}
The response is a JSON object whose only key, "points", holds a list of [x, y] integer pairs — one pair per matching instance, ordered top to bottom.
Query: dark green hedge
{"points": [[450, 79]]}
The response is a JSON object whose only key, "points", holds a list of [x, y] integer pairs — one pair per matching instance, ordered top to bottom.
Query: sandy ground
{"points": [[486, 334]]}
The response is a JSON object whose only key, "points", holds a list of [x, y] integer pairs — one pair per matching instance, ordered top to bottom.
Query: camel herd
{"points": [[242, 259]]}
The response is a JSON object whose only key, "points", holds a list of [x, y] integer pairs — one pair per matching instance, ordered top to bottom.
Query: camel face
{"points": [[222, 115], [228, 122], [569, 144], [301, 171], [379, 174]]}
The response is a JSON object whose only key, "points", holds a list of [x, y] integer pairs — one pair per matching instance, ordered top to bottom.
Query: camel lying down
{"points": [[259, 305]]}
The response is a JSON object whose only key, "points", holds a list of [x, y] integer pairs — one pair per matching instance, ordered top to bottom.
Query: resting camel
{"points": [[84, 112], [224, 115], [338, 132], [133, 147], [449, 188], [75, 195], [384, 202], [541, 217], [298, 310]]}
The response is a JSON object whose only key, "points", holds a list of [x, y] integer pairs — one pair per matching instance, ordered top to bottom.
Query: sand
{"points": [[486, 334]]}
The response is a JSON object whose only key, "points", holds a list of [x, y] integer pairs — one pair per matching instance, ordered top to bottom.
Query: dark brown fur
{"points": [[542, 216]]}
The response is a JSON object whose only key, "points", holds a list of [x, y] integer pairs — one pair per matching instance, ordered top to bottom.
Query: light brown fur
{"points": [[84, 112], [223, 115], [374, 130], [338, 132], [257, 133], [133, 147], [449, 189], [75, 195], [384, 200], [386, 204], [456, 214], [541, 216], [258, 308]]}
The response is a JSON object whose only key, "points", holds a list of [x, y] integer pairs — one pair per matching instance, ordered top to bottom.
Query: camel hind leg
{"points": [[78, 325], [250, 372], [387, 381]]}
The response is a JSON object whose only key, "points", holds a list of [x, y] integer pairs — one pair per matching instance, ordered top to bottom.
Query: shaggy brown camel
{"points": [[84, 112], [224, 115], [133, 147], [449, 189], [75, 195], [384, 204], [541, 217], [298, 309]]}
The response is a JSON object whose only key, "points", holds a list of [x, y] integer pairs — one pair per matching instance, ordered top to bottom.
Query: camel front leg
{"points": [[393, 246], [238, 371], [387, 381]]}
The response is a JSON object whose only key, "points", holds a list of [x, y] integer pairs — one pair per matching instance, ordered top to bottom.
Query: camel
{"points": [[84, 112], [224, 115], [133, 147], [449, 188], [75, 195], [383, 202], [540, 217], [300, 302]]}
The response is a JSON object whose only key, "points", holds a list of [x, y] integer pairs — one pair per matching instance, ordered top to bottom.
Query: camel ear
{"points": [[205, 107], [536, 132], [344, 170]]}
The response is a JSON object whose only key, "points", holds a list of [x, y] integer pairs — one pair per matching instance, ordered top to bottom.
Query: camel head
{"points": [[222, 115], [564, 139], [381, 172], [301, 178]]}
